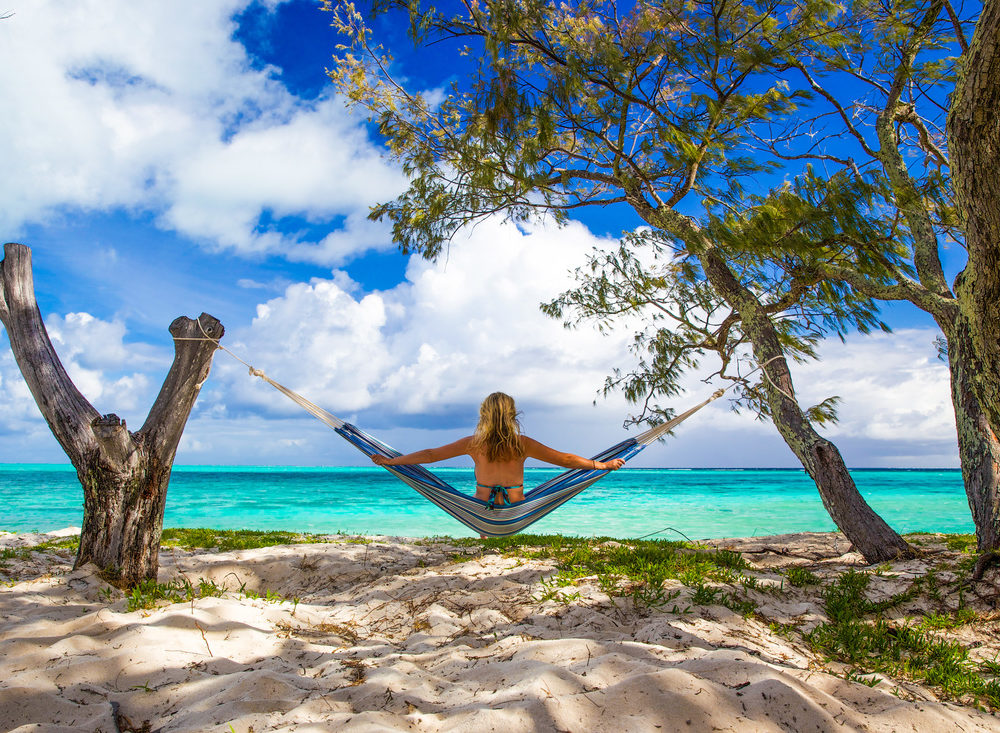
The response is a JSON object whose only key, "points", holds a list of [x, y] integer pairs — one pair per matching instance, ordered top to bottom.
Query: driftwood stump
{"points": [[124, 474]]}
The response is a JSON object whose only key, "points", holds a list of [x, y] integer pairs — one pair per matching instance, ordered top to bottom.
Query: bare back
{"points": [[509, 474]]}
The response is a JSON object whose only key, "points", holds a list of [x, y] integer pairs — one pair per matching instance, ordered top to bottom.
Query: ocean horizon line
{"points": [[321, 467]]}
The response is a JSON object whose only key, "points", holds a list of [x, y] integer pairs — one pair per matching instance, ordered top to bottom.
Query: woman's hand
{"points": [[379, 460], [613, 465]]}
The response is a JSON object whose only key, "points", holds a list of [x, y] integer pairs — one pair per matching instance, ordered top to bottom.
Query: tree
{"points": [[879, 97], [582, 105], [974, 140], [715, 303], [124, 474]]}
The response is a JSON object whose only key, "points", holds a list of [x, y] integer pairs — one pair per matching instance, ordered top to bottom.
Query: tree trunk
{"points": [[974, 147], [978, 448], [124, 475], [871, 536]]}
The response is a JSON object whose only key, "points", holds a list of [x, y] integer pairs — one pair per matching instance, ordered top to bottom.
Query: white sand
{"points": [[405, 636]]}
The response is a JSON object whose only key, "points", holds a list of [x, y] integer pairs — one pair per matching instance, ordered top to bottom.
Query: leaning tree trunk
{"points": [[974, 147], [124, 474], [866, 530]]}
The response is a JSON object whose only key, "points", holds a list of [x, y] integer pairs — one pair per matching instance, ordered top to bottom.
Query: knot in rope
{"points": [[205, 334]]}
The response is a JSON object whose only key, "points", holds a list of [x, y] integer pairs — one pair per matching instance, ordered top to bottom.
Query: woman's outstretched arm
{"points": [[534, 449], [428, 455]]}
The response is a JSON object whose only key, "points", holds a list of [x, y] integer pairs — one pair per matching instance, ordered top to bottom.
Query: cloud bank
{"points": [[415, 361], [412, 363]]}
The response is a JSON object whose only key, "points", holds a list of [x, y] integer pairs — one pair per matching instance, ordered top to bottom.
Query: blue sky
{"points": [[165, 159]]}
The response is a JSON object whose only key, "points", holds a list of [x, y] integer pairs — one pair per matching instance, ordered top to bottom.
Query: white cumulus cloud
{"points": [[154, 107], [452, 332], [891, 385]]}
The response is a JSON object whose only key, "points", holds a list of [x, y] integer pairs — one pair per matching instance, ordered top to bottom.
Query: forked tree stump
{"points": [[124, 474]]}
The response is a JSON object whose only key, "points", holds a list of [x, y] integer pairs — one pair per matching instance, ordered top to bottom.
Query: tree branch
{"points": [[959, 35], [819, 89], [908, 198], [903, 289], [195, 342], [65, 409]]}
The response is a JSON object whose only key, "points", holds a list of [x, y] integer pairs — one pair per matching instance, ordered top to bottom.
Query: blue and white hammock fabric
{"points": [[477, 514]]}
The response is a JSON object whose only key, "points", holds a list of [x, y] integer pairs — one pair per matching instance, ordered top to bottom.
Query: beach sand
{"points": [[384, 634]]}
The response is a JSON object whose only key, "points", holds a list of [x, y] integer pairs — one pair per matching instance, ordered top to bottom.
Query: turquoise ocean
{"points": [[632, 502]]}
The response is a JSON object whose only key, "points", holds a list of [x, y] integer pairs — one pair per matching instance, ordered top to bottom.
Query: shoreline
{"points": [[533, 633]]}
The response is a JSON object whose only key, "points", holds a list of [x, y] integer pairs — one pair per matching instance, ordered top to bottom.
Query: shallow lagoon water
{"points": [[632, 502]]}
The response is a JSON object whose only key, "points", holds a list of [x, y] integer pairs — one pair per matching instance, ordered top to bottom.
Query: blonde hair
{"points": [[498, 433]]}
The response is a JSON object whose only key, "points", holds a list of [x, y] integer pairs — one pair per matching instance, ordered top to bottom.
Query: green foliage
{"points": [[576, 104], [665, 110], [650, 275], [825, 412], [226, 540], [961, 542], [64, 543], [531, 545], [58, 546], [23, 553], [730, 559], [634, 569], [800, 577], [552, 590], [148, 592], [704, 595], [845, 599], [743, 606], [952, 620], [881, 646], [900, 650], [853, 676]]}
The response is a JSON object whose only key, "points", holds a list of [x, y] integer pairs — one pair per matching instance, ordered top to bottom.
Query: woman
{"points": [[499, 450]]}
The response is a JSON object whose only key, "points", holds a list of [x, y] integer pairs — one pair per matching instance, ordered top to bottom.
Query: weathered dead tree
{"points": [[124, 474]]}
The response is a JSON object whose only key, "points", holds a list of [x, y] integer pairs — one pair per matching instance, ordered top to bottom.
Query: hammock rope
{"points": [[478, 515]]}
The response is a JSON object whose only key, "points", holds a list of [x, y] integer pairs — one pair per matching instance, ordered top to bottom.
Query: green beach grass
{"points": [[227, 540]]}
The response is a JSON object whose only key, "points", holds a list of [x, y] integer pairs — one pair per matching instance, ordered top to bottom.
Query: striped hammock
{"points": [[479, 515]]}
